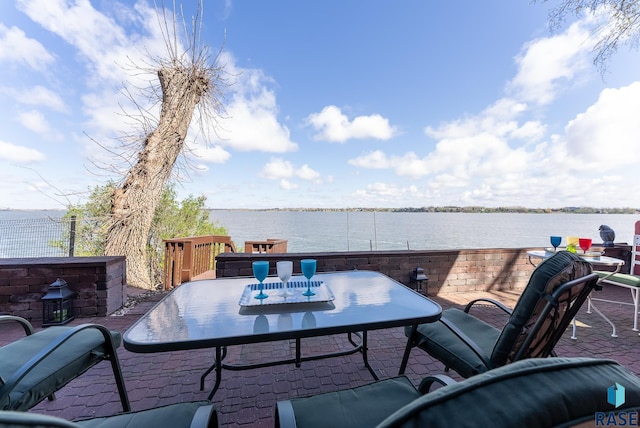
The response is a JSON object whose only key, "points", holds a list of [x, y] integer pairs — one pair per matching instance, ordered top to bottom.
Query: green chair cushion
{"points": [[623, 278], [441, 343], [80, 352], [535, 392], [364, 406], [178, 415], [181, 415], [13, 419]]}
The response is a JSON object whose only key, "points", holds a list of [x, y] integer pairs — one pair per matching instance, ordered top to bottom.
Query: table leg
{"points": [[590, 304], [604, 317], [350, 338], [221, 353], [298, 354], [218, 363], [218, 366]]}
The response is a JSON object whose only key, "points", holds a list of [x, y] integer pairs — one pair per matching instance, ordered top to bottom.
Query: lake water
{"points": [[356, 230], [363, 231]]}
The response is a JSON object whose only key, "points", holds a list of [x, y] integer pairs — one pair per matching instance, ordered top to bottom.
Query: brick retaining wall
{"points": [[449, 271], [99, 284]]}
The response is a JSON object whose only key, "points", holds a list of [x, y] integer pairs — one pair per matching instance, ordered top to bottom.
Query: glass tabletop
{"points": [[599, 260], [207, 313]]}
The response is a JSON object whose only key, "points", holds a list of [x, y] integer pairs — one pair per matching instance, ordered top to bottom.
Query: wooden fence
{"points": [[269, 246], [185, 258]]}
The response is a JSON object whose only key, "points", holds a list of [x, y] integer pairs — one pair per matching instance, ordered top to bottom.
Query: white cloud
{"points": [[99, 38], [113, 45], [17, 48], [115, 52], [545, 64], [42, 97], [251, 120], [35, 121], [334, 126], [606, 135], [473, 146], [20, 154], [211, 154], [496, 156], [374, 160], [277, 168], [283, 170], [306, 173], [287, 185]]}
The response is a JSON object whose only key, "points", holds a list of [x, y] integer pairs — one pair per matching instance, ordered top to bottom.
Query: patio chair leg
{"points": [[634, 297], [407, 350], [365, 357], [122, 390]]}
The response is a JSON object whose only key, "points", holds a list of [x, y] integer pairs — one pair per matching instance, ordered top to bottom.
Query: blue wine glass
{"points": [[556, 241], [308, 270], [260, 271]]}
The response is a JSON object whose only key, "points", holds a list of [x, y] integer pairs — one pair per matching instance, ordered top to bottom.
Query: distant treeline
{"points": [[454, 209]]}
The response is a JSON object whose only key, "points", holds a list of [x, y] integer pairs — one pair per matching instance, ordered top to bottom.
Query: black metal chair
{"points": [[556, 290], [36, 366], [536, 393], [182, 415]]}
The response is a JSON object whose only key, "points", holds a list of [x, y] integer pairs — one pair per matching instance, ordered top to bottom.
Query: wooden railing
{"points": [[266, 247], [185, 258]]}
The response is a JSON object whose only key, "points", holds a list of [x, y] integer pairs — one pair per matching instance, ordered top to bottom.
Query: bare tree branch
{"points": [[621, 27]]}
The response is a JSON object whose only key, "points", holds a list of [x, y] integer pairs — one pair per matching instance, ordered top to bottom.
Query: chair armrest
{"points": [[493, 302], [26, 325], [467, 340], [14, 380], [427, 382], [205, 416], [285, 416]]}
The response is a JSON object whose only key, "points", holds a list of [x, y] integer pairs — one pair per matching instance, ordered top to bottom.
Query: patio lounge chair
{"points": [[556, 290], [36, 366], [537, 392], [181, 415]]}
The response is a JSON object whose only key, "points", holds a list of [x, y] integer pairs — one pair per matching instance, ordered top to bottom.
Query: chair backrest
{"points": [[556, 290], [537, 392]]}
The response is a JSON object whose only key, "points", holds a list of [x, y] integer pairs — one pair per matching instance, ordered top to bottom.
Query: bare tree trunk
{"points": [[134, 201]]}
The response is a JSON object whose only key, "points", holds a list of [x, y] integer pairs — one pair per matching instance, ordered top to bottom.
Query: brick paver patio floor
{"points": [[247, 398]]}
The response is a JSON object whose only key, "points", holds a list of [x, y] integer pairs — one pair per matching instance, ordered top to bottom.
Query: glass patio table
{"points": [[222, 312]]}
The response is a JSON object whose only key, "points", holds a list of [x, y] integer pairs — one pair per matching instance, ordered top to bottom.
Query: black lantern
{"points": [[419, 280], [57, 304]]}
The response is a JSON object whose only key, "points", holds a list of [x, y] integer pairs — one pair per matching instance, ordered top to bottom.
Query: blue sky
{"points": [[331, 104]]}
